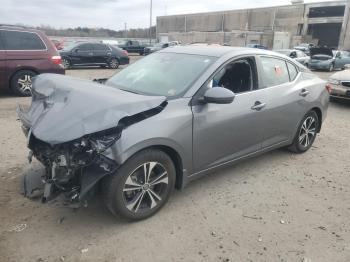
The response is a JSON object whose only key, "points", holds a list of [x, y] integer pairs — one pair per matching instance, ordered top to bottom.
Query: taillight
{"points": [[125, 53], [56, 59], [329, 88]]}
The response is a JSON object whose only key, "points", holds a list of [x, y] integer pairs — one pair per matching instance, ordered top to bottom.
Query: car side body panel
{"points": [[171, 128]]}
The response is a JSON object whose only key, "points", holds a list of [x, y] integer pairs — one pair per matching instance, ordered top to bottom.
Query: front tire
{"points": [[331, 67], [21, 82], [306, 133], [141, 186]]}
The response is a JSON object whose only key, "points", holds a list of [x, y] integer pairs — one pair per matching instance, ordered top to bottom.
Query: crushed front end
{"points": [[72, 125], [74, 168]]}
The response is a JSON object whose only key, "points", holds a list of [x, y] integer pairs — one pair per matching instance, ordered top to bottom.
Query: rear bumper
{"points": [[124, 60]]}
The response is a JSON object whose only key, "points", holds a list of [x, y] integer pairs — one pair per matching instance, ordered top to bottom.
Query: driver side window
{"points": [[237, 76]]}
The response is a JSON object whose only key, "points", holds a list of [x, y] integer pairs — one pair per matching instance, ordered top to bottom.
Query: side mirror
{"points": [[76, 50], [218, 95]]}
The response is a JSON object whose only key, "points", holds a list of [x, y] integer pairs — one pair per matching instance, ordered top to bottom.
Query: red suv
{"points": [[25, 53]]}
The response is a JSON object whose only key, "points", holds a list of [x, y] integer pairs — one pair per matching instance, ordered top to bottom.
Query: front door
{"points": [[82, 54], [342, 58], [224, 132]]}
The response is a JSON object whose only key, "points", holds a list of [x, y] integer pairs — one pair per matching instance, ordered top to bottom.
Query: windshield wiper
{"points": [[126, 90]]}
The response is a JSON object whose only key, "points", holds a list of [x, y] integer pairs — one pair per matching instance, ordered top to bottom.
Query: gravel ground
{"points": [[276, 207]]}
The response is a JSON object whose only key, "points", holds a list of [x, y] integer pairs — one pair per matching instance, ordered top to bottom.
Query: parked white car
{"points": [[340, 84]]}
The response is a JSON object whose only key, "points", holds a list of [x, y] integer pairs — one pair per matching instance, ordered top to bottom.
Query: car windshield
{"points": [[162, 74]]}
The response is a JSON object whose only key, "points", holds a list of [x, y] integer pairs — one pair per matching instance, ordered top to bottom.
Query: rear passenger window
{"points": [[16, 40], [85, 47], [99, 47], [274, 72], [293, 72]]}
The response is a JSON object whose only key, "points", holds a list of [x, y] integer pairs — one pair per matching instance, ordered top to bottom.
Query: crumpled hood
{"points": [[65, 108]]}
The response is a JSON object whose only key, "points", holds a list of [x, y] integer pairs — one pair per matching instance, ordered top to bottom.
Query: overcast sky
{"points": [[111, 13]]}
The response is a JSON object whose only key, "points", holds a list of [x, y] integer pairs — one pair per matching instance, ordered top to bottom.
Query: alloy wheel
{"points": [[65, 63], [114, 63], [25, 84], [307, 131], [145, 187]]}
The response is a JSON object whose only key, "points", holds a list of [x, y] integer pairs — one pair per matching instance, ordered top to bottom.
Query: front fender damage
{"points": [[74, 168]]}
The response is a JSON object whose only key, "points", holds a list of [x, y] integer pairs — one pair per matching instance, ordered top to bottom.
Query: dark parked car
{"points": [[133, 46], [258, 46], [157, 47], [25, 53], [93, 54], [173, 116]]}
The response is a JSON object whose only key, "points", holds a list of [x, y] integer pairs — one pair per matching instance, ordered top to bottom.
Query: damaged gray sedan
{"points": [[169, 118]]}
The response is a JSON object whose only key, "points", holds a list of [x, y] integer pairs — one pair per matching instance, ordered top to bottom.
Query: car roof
{"points": [[19, 28], [217, 51]]}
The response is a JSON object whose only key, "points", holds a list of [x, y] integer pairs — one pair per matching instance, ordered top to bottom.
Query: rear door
{"points": [[102, 53], [82, 54], [2, 63], [285, 98]]}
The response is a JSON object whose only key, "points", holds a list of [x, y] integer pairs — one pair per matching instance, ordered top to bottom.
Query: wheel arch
{"points": [[318, 111], [174, 155], [176, 158]]}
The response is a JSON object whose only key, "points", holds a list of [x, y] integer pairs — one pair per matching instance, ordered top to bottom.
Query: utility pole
{"points": [[150, 23], [125, 31]]}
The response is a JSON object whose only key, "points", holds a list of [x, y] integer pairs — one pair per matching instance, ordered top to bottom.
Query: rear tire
{"points": [[66, 63], [114, 63], [21, 82], [306, 133], [141, 186]]}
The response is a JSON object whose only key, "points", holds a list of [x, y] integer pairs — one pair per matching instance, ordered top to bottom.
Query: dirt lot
{"points": [[277, 207]]}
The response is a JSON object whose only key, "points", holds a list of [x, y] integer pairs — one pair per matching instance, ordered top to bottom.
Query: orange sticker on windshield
{"points": [[278, 70]]}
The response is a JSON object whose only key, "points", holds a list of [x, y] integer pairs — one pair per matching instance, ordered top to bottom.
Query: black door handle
{"points": [[304, 93], [258, 106]]}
